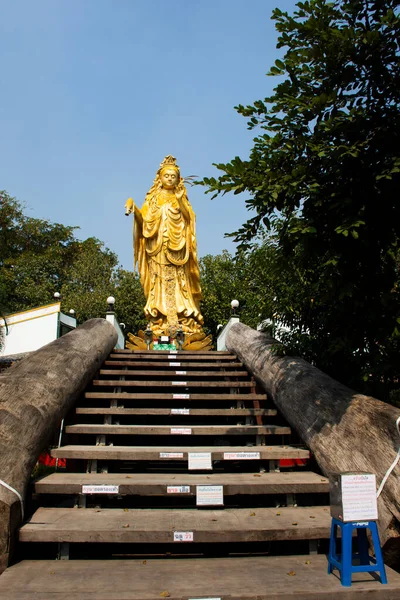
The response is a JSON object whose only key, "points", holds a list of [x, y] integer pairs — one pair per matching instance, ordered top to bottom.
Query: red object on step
{"points": [[50, 461], [293, 462]]}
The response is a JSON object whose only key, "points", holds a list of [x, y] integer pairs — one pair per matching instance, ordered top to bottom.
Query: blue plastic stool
{"points": [[344, 563]]}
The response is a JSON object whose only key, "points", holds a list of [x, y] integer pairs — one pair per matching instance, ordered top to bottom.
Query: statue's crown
{"points": [[169, 161]]}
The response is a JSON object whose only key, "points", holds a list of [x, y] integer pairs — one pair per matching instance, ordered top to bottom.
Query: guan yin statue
{"points": [[164, 242]]}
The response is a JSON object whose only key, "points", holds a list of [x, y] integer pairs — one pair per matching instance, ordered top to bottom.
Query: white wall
{"points": [[30, 329]]}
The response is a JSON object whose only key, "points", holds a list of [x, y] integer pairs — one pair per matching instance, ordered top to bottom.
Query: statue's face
{"points": [[169, 179]]}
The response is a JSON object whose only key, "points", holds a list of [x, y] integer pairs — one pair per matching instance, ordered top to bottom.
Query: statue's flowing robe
{"points": [[165, 252]]}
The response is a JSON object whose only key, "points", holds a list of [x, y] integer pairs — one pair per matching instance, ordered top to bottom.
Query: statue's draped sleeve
{"points": [[140, 260], [193, 262]]}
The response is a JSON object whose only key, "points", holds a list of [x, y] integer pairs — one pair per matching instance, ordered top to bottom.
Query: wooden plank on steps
{"points": [[150, 353], [165, 358], [172, 364], [172, 373], [174, 384], [214, 397], [194, 412], [172, 429], [154, 452], [156, 484], [145, 526], [236, 578]]}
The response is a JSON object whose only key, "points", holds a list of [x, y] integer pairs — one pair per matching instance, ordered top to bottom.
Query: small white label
{"points": [[171, 354], [174, 364], [180, 372], [178, 383], [181, 396], [180, 411], [181, 431], [171, 454], [241, 455], [199, 461], [100, 489], [178, 489], [209, 495], [183, 536], [204, 598]]}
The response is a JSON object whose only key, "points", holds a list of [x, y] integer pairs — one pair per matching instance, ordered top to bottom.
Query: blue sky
{"points": [[94, 93]]}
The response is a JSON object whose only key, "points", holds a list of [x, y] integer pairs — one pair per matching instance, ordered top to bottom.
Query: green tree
{"points": [[323, 175], [34, 256], [38, 257], [224, 278], [89, 279], [129, 300]]}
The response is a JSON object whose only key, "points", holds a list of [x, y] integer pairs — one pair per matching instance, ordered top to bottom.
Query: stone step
{"points": [[160, 484], [161, 526], [237, 578]]}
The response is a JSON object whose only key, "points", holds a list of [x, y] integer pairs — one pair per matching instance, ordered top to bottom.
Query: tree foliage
{"points": [[323, 176], [33, 257], [38, 258], [224, 278], [129, 300]]}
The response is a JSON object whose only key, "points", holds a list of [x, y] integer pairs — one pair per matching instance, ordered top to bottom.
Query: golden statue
{"points": [[165, 252]]}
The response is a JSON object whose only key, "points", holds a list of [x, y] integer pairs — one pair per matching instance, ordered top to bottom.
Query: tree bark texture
{"points": [[35, 395], [344, 430]]}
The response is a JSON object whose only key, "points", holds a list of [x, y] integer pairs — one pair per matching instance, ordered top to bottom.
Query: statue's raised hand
{"points": [[179, 194], [129, 206]]}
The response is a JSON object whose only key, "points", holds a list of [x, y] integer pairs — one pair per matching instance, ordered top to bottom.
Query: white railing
{"points": [[111, 318], [221, 345]]}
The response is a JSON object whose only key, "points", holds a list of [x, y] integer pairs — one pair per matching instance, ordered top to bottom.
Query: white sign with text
{"points": [[181, 431], [171, 454], [241, 455], [199, 461], [100, 489], [178, 489], [209, 495], [359, 497], [183, 536]]}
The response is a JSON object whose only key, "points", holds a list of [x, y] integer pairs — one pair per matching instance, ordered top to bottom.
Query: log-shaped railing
{"points": [[35, 395], [344, 430]]}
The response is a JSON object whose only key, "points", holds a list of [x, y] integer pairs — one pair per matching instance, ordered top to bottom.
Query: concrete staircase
{"points": [[178, 486]]}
